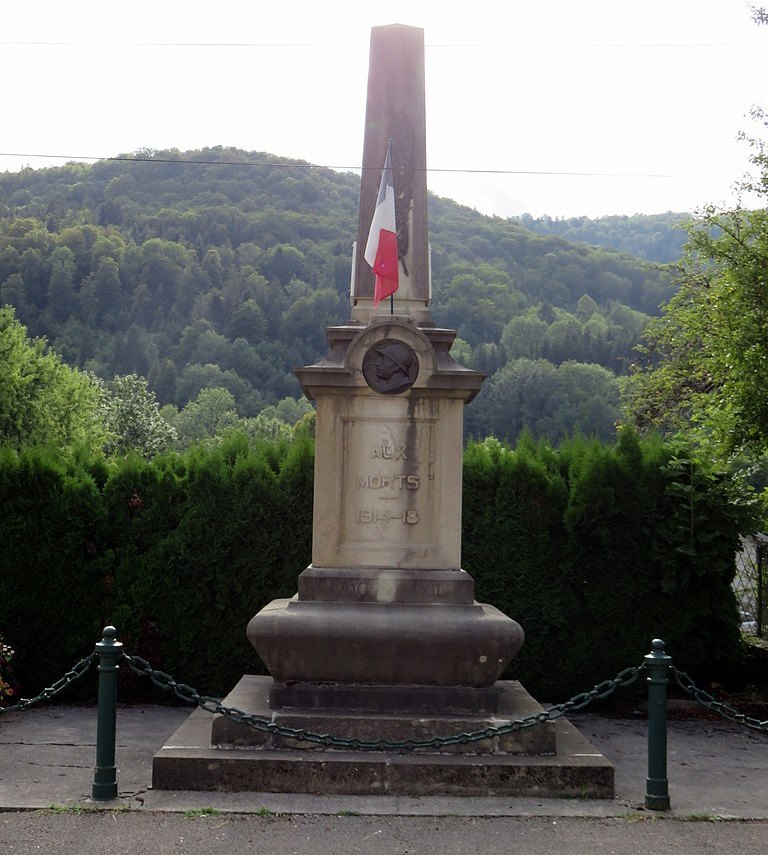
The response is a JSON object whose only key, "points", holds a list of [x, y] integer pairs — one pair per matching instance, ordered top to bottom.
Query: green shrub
{"points": [[206, 540], [595, 549], [52, 575]]}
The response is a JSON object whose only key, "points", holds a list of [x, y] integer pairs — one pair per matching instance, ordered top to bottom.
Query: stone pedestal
{"points": [[389, 449], [384, 601], [400, 631], [384, 639], [403, 715], [551, 759]]}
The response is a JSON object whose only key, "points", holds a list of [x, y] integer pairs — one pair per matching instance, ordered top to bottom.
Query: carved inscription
{"points": [[390, 452], [389, 475], [391, 482], [387, 489], [391, 499], [369, 515], [343, 587], [418, 589]]}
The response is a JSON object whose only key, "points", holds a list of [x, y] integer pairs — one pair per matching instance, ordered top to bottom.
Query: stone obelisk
{"points": [[396, 111], [385, 602], [384, 639]]}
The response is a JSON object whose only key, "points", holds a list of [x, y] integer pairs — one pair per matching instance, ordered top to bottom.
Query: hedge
{"points": [[594, 549], [597, 549]]}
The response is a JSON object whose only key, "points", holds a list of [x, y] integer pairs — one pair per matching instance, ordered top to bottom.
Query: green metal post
{"points": [[109, 652], [657, 786]]}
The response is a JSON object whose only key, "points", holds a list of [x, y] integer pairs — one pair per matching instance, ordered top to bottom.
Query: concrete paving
{"points": [[47, 755]]}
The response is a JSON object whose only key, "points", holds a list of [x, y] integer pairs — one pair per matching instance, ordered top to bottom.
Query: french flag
{"points": [[381, 249]]}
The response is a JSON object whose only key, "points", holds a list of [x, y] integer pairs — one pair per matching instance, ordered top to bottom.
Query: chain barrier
{"points": [[656, 666], [73, 674], [211, 704], [214, 705], [713, 705]]}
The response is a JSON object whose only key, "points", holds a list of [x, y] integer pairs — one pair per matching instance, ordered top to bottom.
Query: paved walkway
{"points": [[47, 756], [717, 772]]}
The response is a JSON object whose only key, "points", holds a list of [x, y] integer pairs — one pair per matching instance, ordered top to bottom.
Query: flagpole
{"points": [[392, 295]]}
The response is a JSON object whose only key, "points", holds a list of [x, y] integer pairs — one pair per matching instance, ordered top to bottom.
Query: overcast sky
{"points": [[643, 101]]}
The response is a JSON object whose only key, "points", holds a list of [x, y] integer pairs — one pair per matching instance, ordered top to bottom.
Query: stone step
{"points": [[189, 761]]}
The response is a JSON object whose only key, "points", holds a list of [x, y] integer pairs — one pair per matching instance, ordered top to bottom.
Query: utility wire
{"points": [[168, 44], [467, 45], [297, 165]]}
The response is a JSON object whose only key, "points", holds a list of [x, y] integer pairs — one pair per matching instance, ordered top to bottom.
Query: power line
{"points": [[169, 44], [462, 45], [681, 45], [297, 165]]}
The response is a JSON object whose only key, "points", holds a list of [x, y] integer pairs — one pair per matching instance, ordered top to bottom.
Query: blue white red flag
{"points": [[381, 249]]}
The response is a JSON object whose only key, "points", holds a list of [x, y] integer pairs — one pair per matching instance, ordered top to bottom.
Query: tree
{"points": [[282, 263], [35, 277], [107, 286], [61, 295], [476, 305], [586, 307], [248, 321], [304, 322], [524, 336], [562, 339], [704, 361], [42, 401], [551, 402], [288, 410], [212, 412], [132, 416], [264, 426]]}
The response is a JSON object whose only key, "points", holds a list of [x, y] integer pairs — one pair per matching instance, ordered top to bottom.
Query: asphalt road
{"points": [[128, 833]]}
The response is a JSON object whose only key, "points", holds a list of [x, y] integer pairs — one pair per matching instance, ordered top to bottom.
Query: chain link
{"points": [[73, 674], [214, 705], [715, 706]]}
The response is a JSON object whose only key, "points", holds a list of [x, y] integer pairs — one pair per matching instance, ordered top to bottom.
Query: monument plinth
{"points": [[385, 601], [384, 639]]}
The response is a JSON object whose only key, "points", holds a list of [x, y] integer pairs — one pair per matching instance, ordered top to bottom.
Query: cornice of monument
{"points": [[440, 374]]}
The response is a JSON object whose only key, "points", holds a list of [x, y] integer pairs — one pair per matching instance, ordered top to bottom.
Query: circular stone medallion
{"points": [[390, 367]]}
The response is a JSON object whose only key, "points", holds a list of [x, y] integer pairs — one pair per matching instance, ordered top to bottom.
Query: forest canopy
{"points": [[220, 269]]}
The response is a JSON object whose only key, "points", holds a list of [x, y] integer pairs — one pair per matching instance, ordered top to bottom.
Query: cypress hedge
{"points": [[593, 548], [596, 549]]}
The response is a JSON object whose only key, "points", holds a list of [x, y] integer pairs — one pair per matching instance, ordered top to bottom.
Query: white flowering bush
{"points": [[8, 687]]}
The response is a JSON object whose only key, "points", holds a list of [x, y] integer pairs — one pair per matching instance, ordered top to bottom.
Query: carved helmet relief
{"points": [[390, 367]]}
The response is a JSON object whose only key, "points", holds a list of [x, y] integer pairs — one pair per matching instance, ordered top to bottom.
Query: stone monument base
{"points": [[387, 626], [550, 759]]}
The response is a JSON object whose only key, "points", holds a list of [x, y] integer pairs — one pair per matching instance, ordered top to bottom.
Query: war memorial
{"points": [[384, 640]]}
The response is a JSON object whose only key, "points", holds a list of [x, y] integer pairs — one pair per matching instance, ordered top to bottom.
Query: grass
{"points": [[63, 809], [80, 809], [194, 813], [635, 816], [700, 817]]}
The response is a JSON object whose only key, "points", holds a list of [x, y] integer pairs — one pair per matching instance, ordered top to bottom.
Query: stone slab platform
{"points": [[364, 719], [189, 762]]}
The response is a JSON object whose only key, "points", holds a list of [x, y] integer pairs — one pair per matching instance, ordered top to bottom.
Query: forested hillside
{"points": [[655, 237], [221, 268]]}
